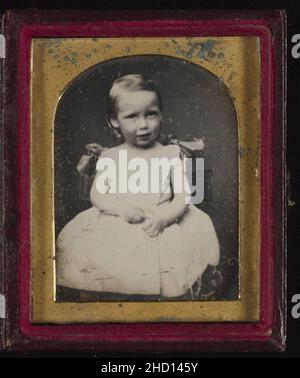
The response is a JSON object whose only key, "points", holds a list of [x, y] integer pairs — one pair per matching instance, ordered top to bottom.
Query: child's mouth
{"points": [[143, 136]]}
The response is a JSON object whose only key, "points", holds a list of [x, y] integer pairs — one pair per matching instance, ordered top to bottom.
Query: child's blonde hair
{"points": [[132, 82]]}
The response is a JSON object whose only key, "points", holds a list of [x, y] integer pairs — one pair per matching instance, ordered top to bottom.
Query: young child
{"points": [[136, 243]]}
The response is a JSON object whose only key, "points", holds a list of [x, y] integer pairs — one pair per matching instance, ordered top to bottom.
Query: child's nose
{"points": [[143, 123]]}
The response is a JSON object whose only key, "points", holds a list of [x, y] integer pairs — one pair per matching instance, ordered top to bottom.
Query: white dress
{"points": [[100, 252]]}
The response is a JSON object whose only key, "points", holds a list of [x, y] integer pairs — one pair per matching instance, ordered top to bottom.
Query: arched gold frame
{"points": [[55, 63]]}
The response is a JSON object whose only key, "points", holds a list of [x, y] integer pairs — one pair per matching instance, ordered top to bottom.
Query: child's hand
{"points": [[134, 214], [154, 224]]}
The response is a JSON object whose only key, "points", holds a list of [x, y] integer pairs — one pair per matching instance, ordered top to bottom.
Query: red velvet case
{"points": [[18, 333]]}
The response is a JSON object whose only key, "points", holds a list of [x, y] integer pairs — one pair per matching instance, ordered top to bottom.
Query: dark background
{"points": [[195, 104], [293, 138]]}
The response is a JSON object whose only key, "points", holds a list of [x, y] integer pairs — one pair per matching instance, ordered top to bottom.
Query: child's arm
{"points": [[104, 201], [113, 204], [173, 210], [163, 215]]}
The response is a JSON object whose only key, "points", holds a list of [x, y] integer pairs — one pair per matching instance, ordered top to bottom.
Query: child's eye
{"points": [[152, 114], [131, 116]]}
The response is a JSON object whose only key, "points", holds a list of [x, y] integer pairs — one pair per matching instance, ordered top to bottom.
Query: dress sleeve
{"points": [[175, 152], [106, 153], [179, 178], [105, 182]]}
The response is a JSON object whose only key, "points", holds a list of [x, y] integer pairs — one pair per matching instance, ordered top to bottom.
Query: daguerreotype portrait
{"points": [[149, 128], [145, 173]]}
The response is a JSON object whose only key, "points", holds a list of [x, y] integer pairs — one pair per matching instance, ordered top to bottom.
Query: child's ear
{"points": [[114, 123]]}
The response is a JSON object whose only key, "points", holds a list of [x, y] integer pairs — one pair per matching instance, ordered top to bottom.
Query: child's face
{"points": [[138, 117]]}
